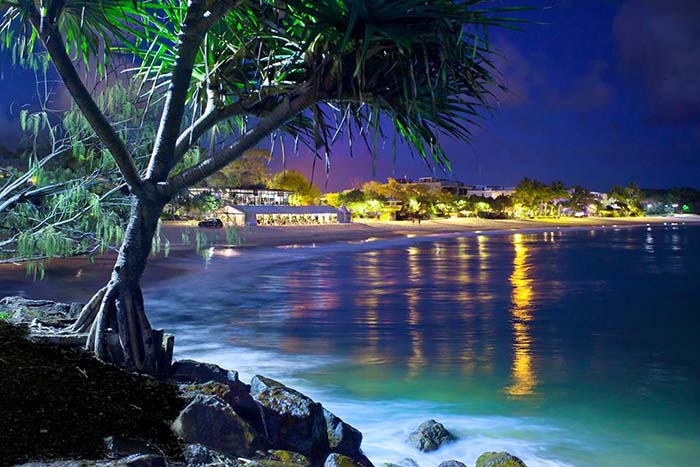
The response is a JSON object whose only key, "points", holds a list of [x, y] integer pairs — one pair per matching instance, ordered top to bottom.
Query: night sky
{"points": [[601, 92]]}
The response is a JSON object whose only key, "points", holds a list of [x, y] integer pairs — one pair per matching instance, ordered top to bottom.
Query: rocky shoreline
{"points": [[209, 417]]}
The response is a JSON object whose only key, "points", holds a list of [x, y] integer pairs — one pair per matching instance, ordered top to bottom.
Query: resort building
{"points": [[443, 184], [460, 189], [489, 191], [247, 196], [249, 215]]}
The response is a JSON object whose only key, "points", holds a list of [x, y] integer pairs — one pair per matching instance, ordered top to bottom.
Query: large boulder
{"points": [[45, 312], [192, 371], [234, 393], [209, 421], [292, 421], [429, 436], [342, 438], [120, 446], [196, 455], [279, 458], [498, 459], [339, 460], [407, 462], [452, 463]]}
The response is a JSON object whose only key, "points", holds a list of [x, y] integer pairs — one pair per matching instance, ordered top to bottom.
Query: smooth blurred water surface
{"points": [[575, 347]]}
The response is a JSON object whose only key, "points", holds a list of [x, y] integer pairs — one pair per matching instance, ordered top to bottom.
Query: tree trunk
{"points": [[115, 319]]}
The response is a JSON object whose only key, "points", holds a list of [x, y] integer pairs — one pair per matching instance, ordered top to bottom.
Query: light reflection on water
{"points": [[523, 377]]}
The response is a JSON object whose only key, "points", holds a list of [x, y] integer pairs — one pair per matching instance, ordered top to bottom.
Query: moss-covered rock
{"points": [[49, 313], [191, 371], [234, 393], [209, 421], [293, 421], [429, 436], [342, 438], [279, 458], [498, 459], [339, 460], [452, 463]]}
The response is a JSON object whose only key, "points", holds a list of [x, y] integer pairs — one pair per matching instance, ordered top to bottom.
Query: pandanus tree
{"points": [[244, 70]]}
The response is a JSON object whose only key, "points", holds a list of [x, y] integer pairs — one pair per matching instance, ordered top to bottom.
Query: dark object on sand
{"points": [[211, 223]]}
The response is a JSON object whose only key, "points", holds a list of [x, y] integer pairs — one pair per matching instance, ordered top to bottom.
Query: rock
{"points": [[45, 312], [63, 340], [191, 371], [235, 393], [209, 421], [292, 421], [429, 436], [342, 438], [119, 446], [197, 455], [279, 458], [498, 459], [135, 460], [139, 460], [339, 460], [63, 463], [402, 463], [451, 463]]}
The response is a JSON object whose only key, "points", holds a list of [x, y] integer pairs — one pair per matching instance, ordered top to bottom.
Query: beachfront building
{"points": [[442, 184], [459, 189], [489, 191], [247, 196], [269, 215]]}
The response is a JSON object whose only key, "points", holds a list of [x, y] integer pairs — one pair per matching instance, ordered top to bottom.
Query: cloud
{"points": [[659, 44], [517, 73], [590, 92]]}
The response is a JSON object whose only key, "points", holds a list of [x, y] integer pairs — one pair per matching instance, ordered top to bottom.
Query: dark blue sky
{"points": [[602, 92]]}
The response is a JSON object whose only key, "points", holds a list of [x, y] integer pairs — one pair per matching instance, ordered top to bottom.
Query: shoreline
{"points": [[367, 230], [78, 277]]}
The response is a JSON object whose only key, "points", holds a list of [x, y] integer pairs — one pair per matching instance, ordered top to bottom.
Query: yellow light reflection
{"points": [[484, 294], [368, 300], [417, 359], [523, 376]]}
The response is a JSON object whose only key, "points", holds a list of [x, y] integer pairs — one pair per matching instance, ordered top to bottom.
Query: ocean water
{"points": [[563, 347]]}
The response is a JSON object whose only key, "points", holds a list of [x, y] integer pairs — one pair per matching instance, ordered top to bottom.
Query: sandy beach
{"points": [[374, 230], [77, 278]]}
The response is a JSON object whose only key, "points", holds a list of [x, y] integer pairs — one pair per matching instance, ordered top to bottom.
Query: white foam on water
{"points": [[250, 362], [387, 424]]}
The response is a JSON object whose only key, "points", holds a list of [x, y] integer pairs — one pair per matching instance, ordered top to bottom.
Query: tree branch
{"points": [[201, 16], [52, 39], [213, 116], [278, 117], [203, 124]]}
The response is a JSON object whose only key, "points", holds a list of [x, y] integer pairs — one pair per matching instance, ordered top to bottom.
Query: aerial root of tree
{"points": [[89, 313], [119, 332]]}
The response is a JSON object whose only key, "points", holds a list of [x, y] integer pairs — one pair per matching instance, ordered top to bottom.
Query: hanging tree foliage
{"points": [[71, 199]]}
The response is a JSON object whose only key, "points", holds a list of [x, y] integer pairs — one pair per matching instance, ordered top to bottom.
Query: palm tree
{"points": [[243, 70]]}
